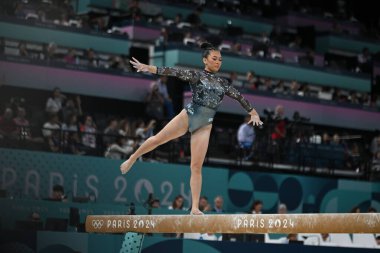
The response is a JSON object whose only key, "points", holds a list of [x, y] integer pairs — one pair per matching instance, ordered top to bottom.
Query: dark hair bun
{"points": [[206, 45]]}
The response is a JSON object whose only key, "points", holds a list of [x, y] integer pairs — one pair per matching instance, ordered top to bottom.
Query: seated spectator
{"points": [[23, 51], [50, 51], [70, 58], [91, 58], [234, 79], [251, 80], [266, 86], [294, 86], [279, 88], [54, 103], [155, 103], [71, 124], [7, 125], [23, 127], [88, 130], [51, 132], [111, 132], [326, 139], [73, 144], [119, 149], [58, 193], [155, 203], [177, 204], [218, 205], [204, 206], [256, 207], [282, 209], [355, 209], [371, 210], [289, 239], [378, 240]]}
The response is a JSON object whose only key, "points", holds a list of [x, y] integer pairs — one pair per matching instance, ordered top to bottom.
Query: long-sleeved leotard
{"points": [[208, 91]]}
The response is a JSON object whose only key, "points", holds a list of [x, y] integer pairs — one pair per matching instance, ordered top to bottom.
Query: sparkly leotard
{"points": [[208, 91]]}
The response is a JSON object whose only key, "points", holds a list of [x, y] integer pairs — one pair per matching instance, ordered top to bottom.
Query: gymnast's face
{"points": [[213, 61]]}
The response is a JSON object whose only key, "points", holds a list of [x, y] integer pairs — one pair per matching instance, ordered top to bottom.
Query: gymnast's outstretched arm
{"points": [[183, 74], [235, 94]]}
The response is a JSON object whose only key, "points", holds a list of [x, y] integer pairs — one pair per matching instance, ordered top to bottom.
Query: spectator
{"points": [[134, 10], [195, 18], [177, 19], [296, 43], [236, 48], [51, 49], [23, 51], [70, 58], [307, 59], [92, 60], [364, 61], [234, 79], [251, 81], [267, 85], [294, 86], [280, 89], [163, 90], [54, 103], [155, 103], [72, 107], [71, 124], [7, 125], [23, 126], [125, 128], [88, 130], [51, 132], [111, 132], [143, 132], [279, 133], [246, 137], [326, 139], [73, 144], [375, 146], [118, 149], [58, 193], [155, 203], [178, 203], [218, 205], [204, 206], [256, 207], [282, 209], [355, 209], [371, 210], [325, 238], [289, 239], [378, 240]]}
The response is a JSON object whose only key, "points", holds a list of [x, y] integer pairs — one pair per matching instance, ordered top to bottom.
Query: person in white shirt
{"points": [[54, 103], [246, 137]]}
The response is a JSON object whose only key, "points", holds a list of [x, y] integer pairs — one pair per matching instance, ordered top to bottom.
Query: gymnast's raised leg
{"points": [[177, 127]]}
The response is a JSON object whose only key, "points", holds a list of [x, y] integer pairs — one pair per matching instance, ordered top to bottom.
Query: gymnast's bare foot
{"points": [[127, 165], [196, 212]]}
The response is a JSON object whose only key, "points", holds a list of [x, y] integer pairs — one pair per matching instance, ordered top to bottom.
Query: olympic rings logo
{"points": [[97, 224]]}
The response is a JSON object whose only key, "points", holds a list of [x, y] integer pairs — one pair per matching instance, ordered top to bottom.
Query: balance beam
{"points": [[236, 223]]}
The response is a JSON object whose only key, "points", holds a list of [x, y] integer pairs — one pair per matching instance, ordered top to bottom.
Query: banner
{"points": [[32, 175]]}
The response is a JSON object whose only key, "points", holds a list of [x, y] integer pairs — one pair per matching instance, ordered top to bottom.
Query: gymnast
{"points": [[207, 94]]}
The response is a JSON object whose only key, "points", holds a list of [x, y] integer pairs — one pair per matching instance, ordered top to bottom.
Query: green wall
{"points": [[64, 37], [269, 68]]}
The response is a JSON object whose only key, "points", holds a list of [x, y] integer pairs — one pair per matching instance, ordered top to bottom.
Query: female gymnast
{"points": [[207, 93]]}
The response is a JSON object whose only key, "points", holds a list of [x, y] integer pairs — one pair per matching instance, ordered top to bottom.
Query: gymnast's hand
{"points": [[139, 66], [255, 118]]}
